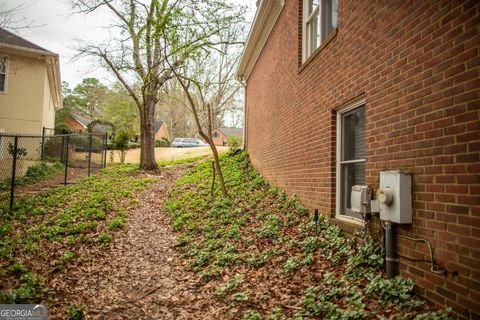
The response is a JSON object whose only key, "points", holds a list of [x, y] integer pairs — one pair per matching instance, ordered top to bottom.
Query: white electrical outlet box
{"points": [[395, 196], [361, 199]]}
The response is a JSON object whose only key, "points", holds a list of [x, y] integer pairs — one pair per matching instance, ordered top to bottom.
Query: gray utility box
{"points": [[395, 196]]}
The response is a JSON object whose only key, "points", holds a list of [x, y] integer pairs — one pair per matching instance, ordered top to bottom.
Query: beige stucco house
{"points": [[30, 87]]}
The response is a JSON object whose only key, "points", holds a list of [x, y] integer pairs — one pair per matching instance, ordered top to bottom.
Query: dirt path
{"points": [[141, 276]]}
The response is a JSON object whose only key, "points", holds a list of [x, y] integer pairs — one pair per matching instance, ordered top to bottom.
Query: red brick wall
{"points": [[417, 64]]}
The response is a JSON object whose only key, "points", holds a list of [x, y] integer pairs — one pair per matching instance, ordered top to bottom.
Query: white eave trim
{"points": [[265, 18], [27, 51], [53, 67]]}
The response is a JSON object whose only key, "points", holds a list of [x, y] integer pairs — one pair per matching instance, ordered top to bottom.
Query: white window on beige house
{"points": [[320, 18], [3, 73], [350, 155]]}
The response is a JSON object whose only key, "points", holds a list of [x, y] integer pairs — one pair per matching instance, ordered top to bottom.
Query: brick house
{"points": [[337, 91], [78, 123], [161, 131], [220, 135]]}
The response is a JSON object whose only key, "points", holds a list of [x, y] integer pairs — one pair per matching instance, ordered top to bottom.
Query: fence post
{"points": [[42, 146], [105, 147], [102, 152], [89, 153], [62, 154], [66, 158], [14, 169]]}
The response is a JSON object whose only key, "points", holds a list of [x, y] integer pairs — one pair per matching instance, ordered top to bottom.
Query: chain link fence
{"points": [[34, 163]]}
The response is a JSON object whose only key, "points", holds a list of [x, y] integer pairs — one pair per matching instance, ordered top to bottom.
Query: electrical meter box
{"points": [[395, 196], [360, 199]]}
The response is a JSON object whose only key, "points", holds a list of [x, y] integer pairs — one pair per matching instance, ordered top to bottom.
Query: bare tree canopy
{"points": [[11, 16], [156, 38], [209, 84]]}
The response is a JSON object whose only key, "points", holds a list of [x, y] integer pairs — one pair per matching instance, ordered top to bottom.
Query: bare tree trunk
{"points": [[147, 135], [217, 163], [213, 178]]}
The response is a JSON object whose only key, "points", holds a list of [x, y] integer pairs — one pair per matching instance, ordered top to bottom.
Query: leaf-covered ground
{"points": [[52, 237], [126, 244], [260, 256]]}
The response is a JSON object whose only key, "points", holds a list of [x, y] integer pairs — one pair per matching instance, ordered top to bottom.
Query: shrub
{"points": [[62, 128], [82, 142], [234, 142], [162, 143], [121, 144], [21, 152]]}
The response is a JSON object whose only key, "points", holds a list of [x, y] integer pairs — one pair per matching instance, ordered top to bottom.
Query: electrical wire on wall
{"points": [[366, 225], [431, 261]]}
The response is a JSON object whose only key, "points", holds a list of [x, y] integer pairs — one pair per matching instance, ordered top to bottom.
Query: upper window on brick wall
{"points": [[320, 18], [3, 73], [350, 155]]}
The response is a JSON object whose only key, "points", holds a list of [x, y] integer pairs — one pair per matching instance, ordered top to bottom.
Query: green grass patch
{"points": [[163, 164]]}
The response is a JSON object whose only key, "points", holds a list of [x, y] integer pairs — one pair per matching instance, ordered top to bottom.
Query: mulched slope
{"points": [[259, 256]]}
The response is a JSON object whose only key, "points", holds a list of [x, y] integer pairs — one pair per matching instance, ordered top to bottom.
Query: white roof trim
{"points": [[265, 18]]}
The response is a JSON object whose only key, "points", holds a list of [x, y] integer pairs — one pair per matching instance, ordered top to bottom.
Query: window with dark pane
{"points": [[3, 73], [352, 164]]}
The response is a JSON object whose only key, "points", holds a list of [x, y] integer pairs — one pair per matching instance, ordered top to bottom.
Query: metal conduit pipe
{"points": [[390, 259]]}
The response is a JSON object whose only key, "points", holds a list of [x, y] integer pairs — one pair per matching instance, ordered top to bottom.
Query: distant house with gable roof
{"points": [[220, 135]]}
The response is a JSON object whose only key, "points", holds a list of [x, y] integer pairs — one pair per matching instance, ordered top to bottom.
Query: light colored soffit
{"points": [[265, 18]]}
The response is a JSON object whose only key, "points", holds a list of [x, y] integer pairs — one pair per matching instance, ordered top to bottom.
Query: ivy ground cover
{"points": [[48, 232], [259, 255]]}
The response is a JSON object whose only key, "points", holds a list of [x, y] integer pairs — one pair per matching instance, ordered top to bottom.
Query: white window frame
{"points": [[320, 11], [308, 19], [4, 91], [338, 183]]}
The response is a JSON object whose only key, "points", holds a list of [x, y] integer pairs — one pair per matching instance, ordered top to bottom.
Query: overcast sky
{"points": [[56, 30]]}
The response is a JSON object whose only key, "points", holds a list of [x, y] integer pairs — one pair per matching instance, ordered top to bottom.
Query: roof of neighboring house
{"points": [[11, 39], [82, 120], [86, 121], [158, 125], [231, 131]]}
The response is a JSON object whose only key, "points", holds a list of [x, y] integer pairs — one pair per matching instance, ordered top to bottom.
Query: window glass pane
{"points": [[329, 17], [313, 34], [3, 64], [2, 82], [353, 135]]}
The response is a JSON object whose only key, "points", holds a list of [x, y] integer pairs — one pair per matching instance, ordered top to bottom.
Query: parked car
{"points": [[188, 143]]}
